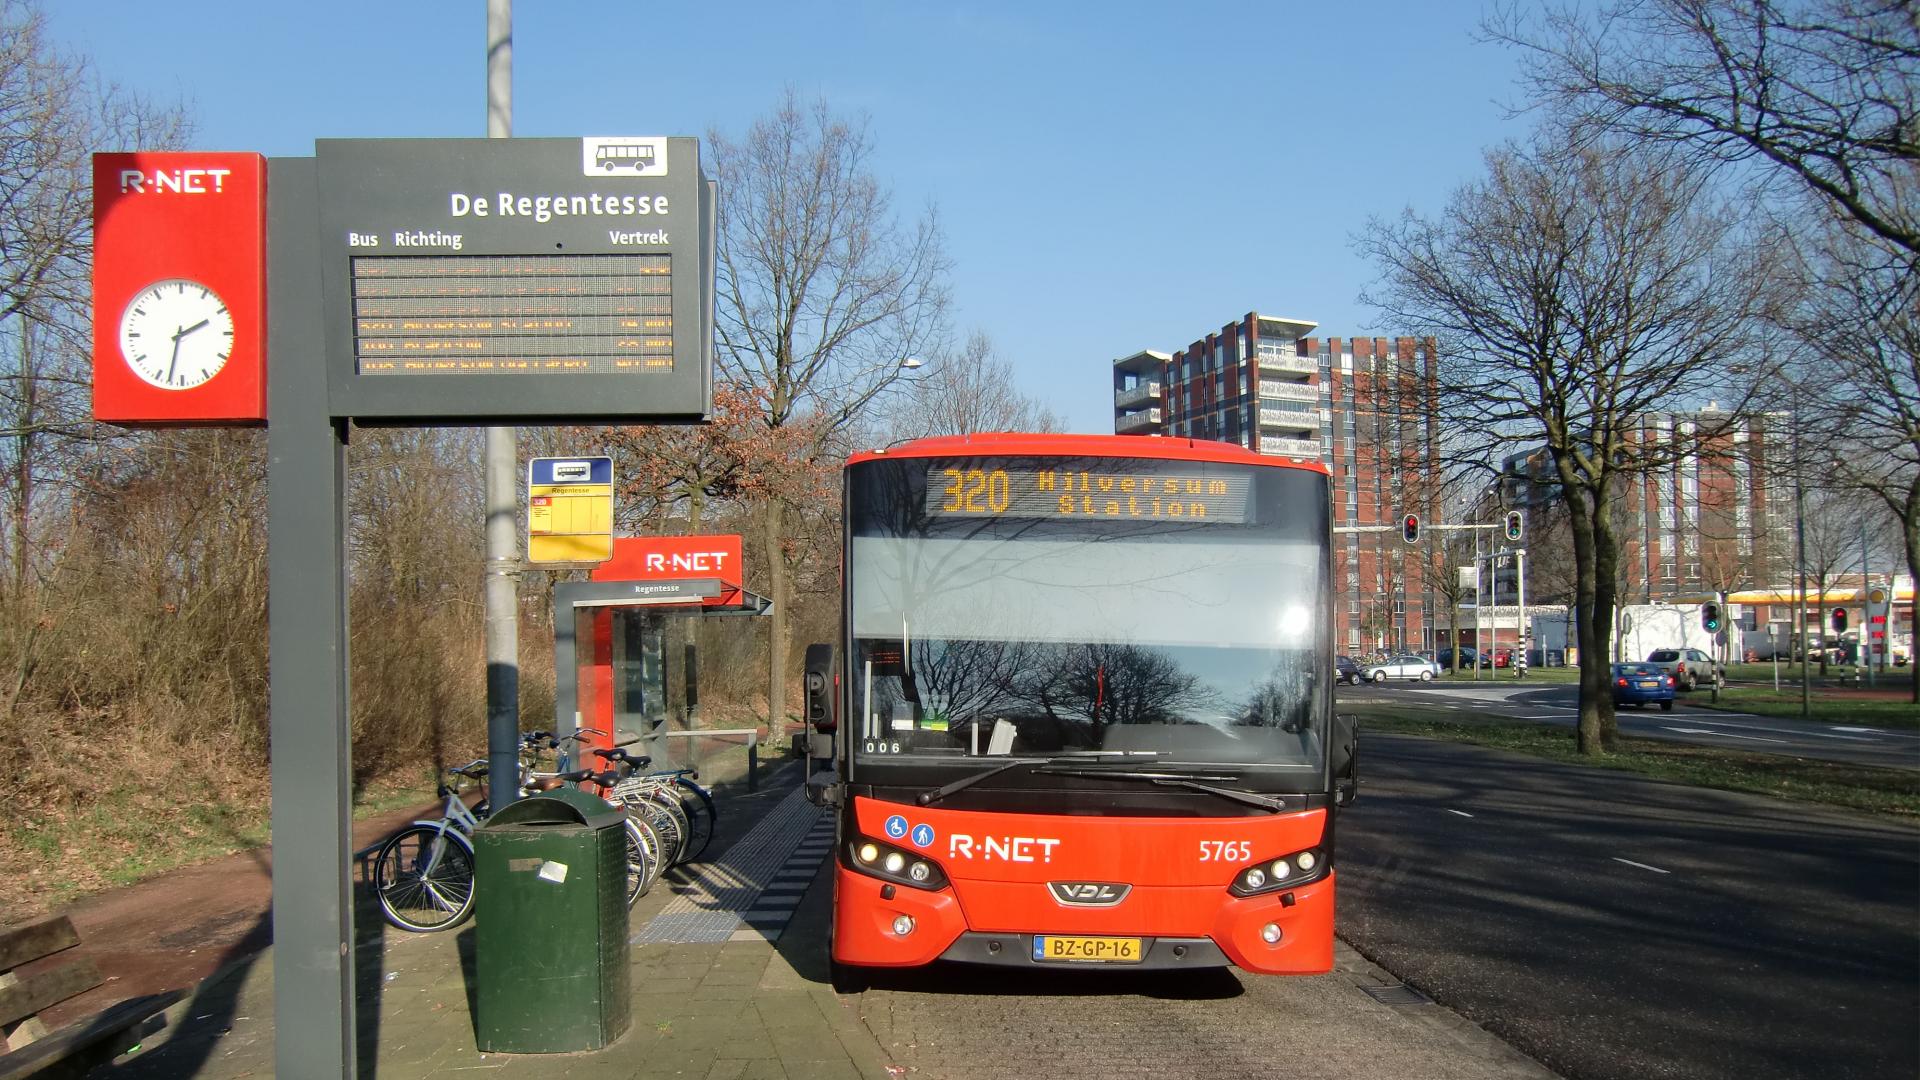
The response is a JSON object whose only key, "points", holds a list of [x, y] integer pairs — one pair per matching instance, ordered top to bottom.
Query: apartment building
{"points": [[1362, 406], [1719, 517]]}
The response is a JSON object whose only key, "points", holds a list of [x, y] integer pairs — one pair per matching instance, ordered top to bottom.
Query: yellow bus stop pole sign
{"points": [[569, 511]]}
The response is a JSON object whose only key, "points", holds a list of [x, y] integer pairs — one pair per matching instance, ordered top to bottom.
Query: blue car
{"points": [[1642, 684]]}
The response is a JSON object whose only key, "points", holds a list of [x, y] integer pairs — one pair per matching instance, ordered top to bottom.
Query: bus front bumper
{"points": [[867, 927]]}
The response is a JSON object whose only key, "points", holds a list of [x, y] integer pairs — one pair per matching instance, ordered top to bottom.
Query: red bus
{"points": [[1082, 708]]}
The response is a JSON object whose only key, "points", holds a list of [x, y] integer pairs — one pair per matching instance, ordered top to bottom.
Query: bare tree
{"points": [[1823, 95], [53, 115], [1580, 288], [822, 295], [1858, 326], [965, 393]]}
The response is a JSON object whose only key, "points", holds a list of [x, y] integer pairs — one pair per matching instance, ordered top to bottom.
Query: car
{"points": [[1468, 657], [1502, 657], [1403, 666], [1689, 667], [1345, 670], [1642, 683]]}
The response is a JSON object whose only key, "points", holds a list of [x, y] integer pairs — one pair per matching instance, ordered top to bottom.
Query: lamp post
{"points": [[1800, 550]]}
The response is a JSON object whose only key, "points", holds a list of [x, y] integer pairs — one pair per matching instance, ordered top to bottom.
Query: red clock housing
{"points": [[180, 216]]}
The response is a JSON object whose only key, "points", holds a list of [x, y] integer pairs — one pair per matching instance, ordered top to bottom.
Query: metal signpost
{"points": [[411, 282]]}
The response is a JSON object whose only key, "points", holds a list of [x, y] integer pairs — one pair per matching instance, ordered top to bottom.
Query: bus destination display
{"points": [[539, 314], [986, 490]]}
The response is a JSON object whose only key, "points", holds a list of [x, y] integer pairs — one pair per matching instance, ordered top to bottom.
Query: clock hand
{"points": [[185, 330], [175, 361]]}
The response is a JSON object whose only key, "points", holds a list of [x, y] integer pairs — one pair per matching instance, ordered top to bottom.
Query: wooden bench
{"points": [[29, 1048]]}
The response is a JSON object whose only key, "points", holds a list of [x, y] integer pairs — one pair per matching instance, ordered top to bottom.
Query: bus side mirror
{"points": [[819, 680], [1346, 759]]}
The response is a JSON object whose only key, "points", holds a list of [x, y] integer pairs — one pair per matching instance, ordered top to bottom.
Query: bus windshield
{"points": [[1162, 612]]}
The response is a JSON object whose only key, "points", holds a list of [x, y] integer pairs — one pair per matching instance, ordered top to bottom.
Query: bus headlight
{"points": [[877, 858], [1286, 872]]}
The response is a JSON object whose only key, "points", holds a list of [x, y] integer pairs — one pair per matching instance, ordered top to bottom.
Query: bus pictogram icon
{"points": [[624, 156]]}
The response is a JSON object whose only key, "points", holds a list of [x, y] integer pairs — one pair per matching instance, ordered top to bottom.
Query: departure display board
{"points": [[517, 280], [528, 314], [984, 488]]}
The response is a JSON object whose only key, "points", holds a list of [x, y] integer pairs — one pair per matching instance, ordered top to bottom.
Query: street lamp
{"points": [[1800, 545]]}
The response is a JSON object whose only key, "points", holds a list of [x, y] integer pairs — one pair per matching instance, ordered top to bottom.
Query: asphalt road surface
{"points": [[1559, 704], [1612, 926]]}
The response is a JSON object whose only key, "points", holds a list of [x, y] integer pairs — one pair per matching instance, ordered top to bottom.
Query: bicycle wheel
{"points": [[702, 818], [668, 819], [643, 858], [424, 879]]}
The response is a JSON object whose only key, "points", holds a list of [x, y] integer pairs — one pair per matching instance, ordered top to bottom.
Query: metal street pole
{"points": [[1800, 554], [502, 592], [1479, 603], [1866, 621], [1520, 635]]}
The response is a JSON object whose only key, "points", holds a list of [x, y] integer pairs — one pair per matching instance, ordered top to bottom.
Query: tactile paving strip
{"points": [[711, 904]]}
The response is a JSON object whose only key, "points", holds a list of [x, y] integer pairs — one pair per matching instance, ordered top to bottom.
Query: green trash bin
{"points": [[550, 947]]}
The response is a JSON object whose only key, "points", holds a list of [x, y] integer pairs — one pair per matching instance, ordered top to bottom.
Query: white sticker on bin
{"points": [[555, 872]]}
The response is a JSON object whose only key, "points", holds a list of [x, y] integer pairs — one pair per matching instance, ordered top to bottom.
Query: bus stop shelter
{"points": [[615, 667]]}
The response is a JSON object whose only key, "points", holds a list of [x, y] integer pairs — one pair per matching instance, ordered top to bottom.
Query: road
{"points": [[1558, 704], [1605, 925], [1613, 926]]}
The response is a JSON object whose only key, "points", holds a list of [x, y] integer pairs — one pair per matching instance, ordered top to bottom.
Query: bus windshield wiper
{"points": [[1177, 780], [927, 798]]}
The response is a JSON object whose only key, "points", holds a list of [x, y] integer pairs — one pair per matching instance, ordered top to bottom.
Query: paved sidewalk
{"points": [[720, 989], [735, 1010]]}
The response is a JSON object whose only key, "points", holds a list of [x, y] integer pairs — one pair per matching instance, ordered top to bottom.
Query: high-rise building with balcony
{"points": [[1361, 406]]}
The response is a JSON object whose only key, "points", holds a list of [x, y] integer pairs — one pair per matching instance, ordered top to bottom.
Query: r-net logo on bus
{"points": [[624, 155]]}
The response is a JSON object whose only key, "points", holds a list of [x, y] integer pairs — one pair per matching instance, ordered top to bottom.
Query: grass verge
{"points": [[1825, 705], [1856, 787], [128, 832]]}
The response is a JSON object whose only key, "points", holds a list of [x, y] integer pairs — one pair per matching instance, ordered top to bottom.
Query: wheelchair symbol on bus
{"points": [[896, 826]]}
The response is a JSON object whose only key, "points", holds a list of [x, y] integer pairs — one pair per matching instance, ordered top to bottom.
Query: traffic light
{"points": [[1513, 525], [1410, 529], [1710, 617], [1839, 620]]}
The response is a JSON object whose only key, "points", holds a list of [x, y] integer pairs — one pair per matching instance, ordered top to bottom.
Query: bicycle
{"points": [[675, 791], [679, 797], [649, 844], [423, 874]]}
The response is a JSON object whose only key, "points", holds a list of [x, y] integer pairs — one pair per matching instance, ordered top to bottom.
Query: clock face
{"points": [[176, 334]]}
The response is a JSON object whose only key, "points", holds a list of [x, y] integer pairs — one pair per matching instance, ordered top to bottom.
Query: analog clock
{"points": [[176, 334]]}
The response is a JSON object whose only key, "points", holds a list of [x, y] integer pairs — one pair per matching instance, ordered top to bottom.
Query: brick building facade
{"points": [[1362, 406]]}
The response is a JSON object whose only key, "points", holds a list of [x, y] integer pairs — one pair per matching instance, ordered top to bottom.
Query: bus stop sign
{"points": [[569, 511]]}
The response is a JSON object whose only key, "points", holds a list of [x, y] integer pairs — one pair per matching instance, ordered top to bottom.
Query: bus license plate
{"points": [[1102, 950]]}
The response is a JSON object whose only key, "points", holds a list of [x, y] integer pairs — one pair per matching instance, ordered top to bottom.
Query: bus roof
{"points": [[1019, 444]]}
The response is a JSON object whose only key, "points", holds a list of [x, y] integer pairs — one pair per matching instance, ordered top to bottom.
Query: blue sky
{"points": [[1111, 177]]}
